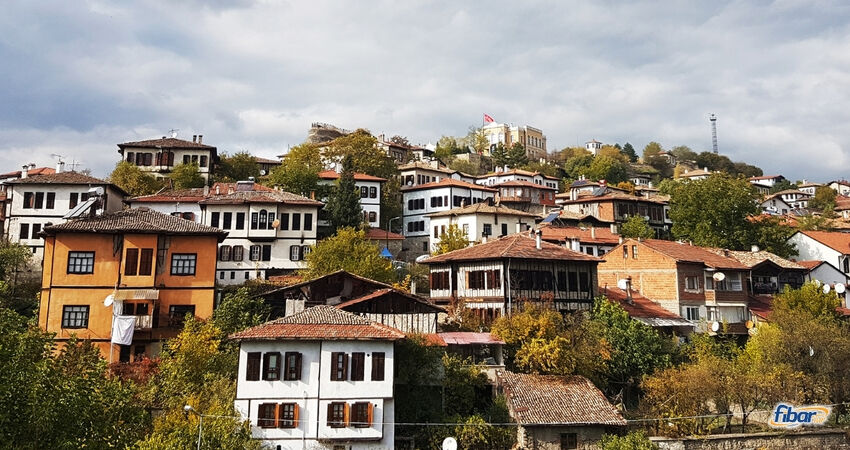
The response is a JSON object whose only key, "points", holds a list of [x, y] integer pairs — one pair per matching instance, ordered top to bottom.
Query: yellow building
{"points": [[529, 137], [153, 267]]}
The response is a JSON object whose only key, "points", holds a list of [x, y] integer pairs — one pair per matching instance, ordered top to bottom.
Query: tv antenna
{"points": [[173, 133]]}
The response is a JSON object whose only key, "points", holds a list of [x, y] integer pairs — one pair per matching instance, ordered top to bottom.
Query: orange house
{"points": [[153, 266]]}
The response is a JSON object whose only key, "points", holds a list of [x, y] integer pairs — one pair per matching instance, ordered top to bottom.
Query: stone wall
{"points": [[804, 440]]}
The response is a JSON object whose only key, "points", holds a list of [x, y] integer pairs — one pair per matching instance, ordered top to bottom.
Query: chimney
{"points": [[194, 138], [200, 138], [32, 166], [60, 167], [24, 171], [217, 189], [230, 189], [206, 190], [312, 195], [519, 227], [613, 228], [592, 232], [537, 239], [621, 239], [575, 244], [754, 249], [629, 298]]}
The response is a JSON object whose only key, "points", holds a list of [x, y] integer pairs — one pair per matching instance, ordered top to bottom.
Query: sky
{"points": [[77, 78]]}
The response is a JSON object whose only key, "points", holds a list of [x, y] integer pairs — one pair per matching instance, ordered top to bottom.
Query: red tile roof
{"points": [[164, 143], [267, 161], [30, 172], [517, 172], [332, 175], [60, 178], [445, 182], [522, 183], [178, 195], [610, 197], [482, 208], [140, 220], [377, 234], [602, 235], [839, 242], [514, 246], [685, 252], [752, 259], [810, 264], [382, 292], [760, 305], [641, 307], [321, 322], [469, 338], [557, 400]]}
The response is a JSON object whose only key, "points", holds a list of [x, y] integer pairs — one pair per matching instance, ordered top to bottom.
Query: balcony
{"points": [[144, 322]]}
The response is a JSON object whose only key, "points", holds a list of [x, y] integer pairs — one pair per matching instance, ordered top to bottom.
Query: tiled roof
{"points": [[165, 142], [267, 161], [424, 166], [30, 172], [517, 172], [694, 173], [332, 175], [765, 177], [60, 178], [446, 182], [522, 183], [582, 183], [790, 191], [261, 194], [176, 195], [610, 197], [482, 208], [571, 215], [141, 220], [377, 234], [586, 235], [839, 242], [515, 246], [685, 252], [752, 259], [810, 264], [381, 292], [760, 305], [642, 307], [321, 322], [469, 338], [557, 400]]}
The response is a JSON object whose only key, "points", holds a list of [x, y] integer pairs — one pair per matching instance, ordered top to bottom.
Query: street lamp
{"points": [[390, 225], [189, 409]]}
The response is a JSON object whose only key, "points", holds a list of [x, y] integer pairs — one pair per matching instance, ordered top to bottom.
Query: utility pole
{"points": [[713, 120]]}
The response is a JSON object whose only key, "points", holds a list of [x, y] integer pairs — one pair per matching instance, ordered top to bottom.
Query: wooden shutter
{"points": [[267, 253], [146, 261], [131, 263], [358, 360], [378, 363], [344, 367], [297, 370], [253, 371], [269, 373], [295, 408], [347, 414], [266, 415], [369, 415], [330, 420]]}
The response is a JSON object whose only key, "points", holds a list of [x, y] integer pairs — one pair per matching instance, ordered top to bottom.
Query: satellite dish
{"points": [[262, 172], [275, 224], [421, 258], [719, 276], [817, 283], [623, 284], [825, 288], [840, 288], [109, 300], [749, 324], [715, 326], [811, 351], [449, 443]]}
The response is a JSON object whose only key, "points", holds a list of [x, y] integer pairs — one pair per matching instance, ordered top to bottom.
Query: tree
{"points": [[400, 140], [477, 140], [448, 146], [652, 150], [629, 152], [613, 153], [684, 153], [499, 155], [516, 156], [577, 166], [239, 167], [467, 167], [546, 168], [607, 168], [299, 171], [185, 176], [132, 180], [782, 185], [824, 199], [343, 205], [813, 222], [637, 227], [771, 233], [454, 238], [348, 250], [18, 291], [239, 310], [635, 440]]}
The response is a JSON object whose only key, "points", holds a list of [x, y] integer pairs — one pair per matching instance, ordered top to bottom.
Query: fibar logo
{"points": [[788, 416]]}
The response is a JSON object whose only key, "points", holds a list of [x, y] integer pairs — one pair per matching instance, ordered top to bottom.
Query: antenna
{"points": [[713, 120], [174, 131], [58, 156]]}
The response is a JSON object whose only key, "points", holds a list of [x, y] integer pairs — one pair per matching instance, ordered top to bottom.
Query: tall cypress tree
{"points": [[344, 202]]}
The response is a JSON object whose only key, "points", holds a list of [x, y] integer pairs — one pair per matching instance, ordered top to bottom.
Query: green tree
{"points": [[400, 140], [477, 140], [448, 146], [652, 150], [629, 152], [684, 153], [499, 155], [516, 156], [577, 166], [239, 167], [467, 167], [546, 168], [607, 168], [746, 170], [299, 171], [185, 176], [132, 180], [783, 185], [824, 199], [343, 205], [813, 222], [771, 233], [454, 238], [348, 250], [19, 290], [239, 310], [635, 440]]}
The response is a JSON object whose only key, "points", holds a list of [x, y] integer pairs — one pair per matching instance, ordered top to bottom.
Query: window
{"points": [[130, 157], [148, 159], [186, 159], [194, 159], [203, 161], [364, 192], [373, 192], [29, 200], [39, 200], [51, 200], [72, 200], [228, 217], [214, 218], [254, 218], [308, 220], [240, 221], [284, 221], [296, 222], [263, 224], [504, 229], [488, 230], [25, 231], [625, 251], [634, 252], [224, 253], [236, 253], [255, 253], [267, 253], [295, 253], [146, 261], [80, 262], [131, 262], [183, 263], [221, 275], [232, 275], [475, 279], [440, 280], [734, 280], [709, 282], [692, 283], [136, 309], [177, 313], [692, 313], [75, 316], [378, 359], [358, 363], [271, 366], [292, 366], [339, 366], [336, 414], [266, 415], [288, 415], [361, 415]]}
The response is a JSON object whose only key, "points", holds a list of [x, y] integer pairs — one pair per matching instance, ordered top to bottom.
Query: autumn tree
{"points": [[477, 140], [578, 166], [238, 167], [607, 168], [299, 171], [185, 176], [133, 180], [824, 199], [343, 205], [454, 238], [351, 251], [239, 310], [635, 440]]}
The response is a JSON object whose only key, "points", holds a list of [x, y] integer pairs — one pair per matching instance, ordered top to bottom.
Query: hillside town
{"points": [[364, 292]]}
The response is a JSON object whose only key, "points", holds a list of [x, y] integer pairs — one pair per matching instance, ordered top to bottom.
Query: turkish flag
{"points": [[488, 119]]}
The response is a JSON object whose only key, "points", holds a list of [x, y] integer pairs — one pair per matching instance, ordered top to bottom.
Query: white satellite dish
{"points": [[262, 172], [421, 258], [719, 276], [817, 283], [623, 284], [826, 288], [840, 288], [109, 300], [715, 326], [811, 351], [449, 443]]}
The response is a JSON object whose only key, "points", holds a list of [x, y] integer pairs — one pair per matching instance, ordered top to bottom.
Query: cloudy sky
{"points": [[76, 78]]}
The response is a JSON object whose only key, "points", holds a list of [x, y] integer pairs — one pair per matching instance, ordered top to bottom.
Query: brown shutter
{"points": [[131, 263], [266, 366], [334, 366], [378, 366], [344, 367], [297, 369], [253, 371], [295, 409], [330, 414], [347, 415], [369, 415]]}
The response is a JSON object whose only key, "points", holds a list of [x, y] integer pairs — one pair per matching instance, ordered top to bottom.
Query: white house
{"points": [[593, 146], [159, 156], [421, 172], [503, 174], [766, 182], [808, 187], [842, 187], [370, 194], [420, 201], [35, 202], [785, 202], [480, 221], [269, 231], [831, 247], [319, 379]]}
